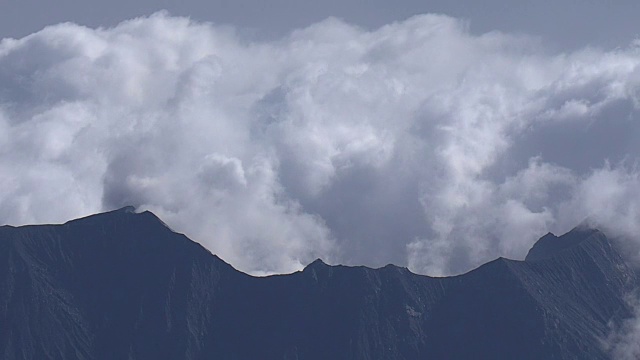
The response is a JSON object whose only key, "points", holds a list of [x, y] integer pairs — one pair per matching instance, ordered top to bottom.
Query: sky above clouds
{"points": [[561, 24], [372, 137]]}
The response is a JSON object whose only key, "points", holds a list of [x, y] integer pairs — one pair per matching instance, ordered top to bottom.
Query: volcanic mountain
{"points": [[122, 285]]}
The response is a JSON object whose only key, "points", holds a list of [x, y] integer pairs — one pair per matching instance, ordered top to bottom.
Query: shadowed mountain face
{"points": [[122, 285]]}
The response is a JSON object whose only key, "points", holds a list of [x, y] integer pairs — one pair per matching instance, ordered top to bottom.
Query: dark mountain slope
{"points": [[113, 285], [121, 285]]}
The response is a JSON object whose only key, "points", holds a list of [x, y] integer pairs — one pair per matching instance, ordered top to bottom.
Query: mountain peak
{"points": [[127, 214], [550, 245], [315, 264]]}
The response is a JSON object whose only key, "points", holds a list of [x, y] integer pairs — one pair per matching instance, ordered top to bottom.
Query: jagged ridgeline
{"points": [[122, 285]]}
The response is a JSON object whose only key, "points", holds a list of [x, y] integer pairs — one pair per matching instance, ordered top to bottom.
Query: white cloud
{"points": [[416, 143], [622, 341]]}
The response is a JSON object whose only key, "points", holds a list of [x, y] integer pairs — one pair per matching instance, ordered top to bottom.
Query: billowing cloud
{"points": [[417, 143], [622, 340]]}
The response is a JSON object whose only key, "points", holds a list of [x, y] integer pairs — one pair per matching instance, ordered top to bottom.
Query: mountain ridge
{"points": [[123, 284]]}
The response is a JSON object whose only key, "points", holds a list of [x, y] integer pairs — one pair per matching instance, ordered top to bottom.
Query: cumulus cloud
{"points": [[417, 143], [622, 341]]}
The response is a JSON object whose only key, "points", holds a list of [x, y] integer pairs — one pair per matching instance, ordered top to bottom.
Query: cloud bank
{"points": [[417, 143]]}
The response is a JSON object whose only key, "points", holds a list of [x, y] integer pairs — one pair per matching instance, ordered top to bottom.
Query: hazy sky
{"points": [[562, 23], [273, 135]]}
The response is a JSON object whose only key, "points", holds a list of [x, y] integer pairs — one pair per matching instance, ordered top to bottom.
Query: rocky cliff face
{"points": [[122, 285]]}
